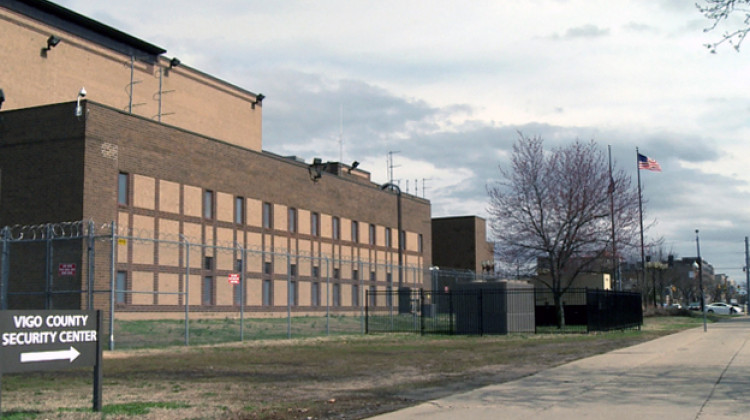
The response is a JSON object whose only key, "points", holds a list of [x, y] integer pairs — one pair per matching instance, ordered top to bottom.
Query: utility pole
{"points": [[747, 276]]}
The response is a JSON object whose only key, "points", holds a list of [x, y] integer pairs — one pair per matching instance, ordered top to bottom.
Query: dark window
{"points": [[123, 190], [208, 204], [239, 210], [267, 215], [292, 220], [314, 224], [336, 228], [355, 231], [372, 234], [388, 241], [419, 243], [402, 244], [208, 263], [238, 265], [267, 268], [293, 270], [316, 272], [336, 273], [355, 274], [373, 276], [122, 278], [389, 278], [207, 289], [267, 293], [293, 293], [237, 294], [315, 294], [336, 294], [355, 295], [373, 296], [389, 296]]}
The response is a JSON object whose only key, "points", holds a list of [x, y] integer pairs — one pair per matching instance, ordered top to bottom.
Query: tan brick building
{"points": [[171, 159]]}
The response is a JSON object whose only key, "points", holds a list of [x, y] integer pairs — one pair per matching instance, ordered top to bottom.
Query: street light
{"points": [[700, 277]]}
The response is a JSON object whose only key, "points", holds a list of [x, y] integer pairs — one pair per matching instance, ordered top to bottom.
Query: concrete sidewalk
{"points": [[689, 375]]}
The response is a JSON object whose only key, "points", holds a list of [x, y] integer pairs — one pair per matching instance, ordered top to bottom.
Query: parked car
{"points": [[694, 306], [722, 308]]}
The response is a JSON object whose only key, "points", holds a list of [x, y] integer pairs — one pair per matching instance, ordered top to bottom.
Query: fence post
{"points": [[91, 259], [5, 268], [48, 268], [112, 274], [361, 288], [187, 290], [242, 291], [288, 295], [328, 297], [420, 308], [450, 311], [367, 312]]}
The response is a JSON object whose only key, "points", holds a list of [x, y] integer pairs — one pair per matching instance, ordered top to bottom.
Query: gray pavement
{"points": [[689, 375]]}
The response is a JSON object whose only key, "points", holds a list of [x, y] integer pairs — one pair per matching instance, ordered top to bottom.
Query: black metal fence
{"points": [[500, 311]]}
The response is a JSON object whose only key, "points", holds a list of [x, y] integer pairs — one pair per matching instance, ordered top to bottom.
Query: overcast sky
{"points": [[448, 85]]}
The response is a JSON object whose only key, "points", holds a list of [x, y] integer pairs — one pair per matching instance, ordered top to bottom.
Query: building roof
{"points": [[70, 21]]}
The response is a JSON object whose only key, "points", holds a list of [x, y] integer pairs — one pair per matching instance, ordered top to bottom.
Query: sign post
{"points": [[47, 340]]}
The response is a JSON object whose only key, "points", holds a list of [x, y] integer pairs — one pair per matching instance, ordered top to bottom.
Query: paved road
{"points": [[689, 375]]}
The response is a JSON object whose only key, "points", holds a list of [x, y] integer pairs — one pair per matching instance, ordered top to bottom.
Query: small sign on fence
{"points": [[66, 269], [234, 278]]}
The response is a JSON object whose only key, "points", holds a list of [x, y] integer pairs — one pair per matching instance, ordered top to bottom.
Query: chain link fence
{"points": [[159, 289]]}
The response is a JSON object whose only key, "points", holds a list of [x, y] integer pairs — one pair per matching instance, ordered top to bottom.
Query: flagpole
{"points": [[640, 214], [615, 279]]}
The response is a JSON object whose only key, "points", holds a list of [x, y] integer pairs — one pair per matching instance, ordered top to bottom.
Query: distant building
{"points": [[460, 243]]}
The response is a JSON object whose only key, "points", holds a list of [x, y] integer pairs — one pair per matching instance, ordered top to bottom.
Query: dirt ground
{"points": [[331, 378]]}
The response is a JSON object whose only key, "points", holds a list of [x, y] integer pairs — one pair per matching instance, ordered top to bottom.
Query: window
{"points": [[123, 190], [208, 204], [239, 210], [267, 215], [292, 219], [314, 224], [355, 231], [336, 233], [372, 234], [388, 238], [402, 240], [419, 243], [208, 263], [238, 266], [268, 268], [293, 270], [316, 272], [337, 273], [355, 274], [373, 277], [122, 278], [389, 278], [207, 290], [267, 293], [292, 293], [237, 294], [315, 294], [336, 294], [355, 295], [373, 296], [389, 296]]}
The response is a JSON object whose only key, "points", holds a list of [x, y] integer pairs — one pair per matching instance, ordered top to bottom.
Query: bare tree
{"points": [[732, 12], [555, 205]]}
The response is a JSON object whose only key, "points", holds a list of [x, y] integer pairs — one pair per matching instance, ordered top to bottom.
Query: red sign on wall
{"points": [[66, 269], [234, 278]]}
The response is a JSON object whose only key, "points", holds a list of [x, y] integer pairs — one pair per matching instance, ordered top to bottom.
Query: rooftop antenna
{"points": [[341, 133], [391, 165], [424, 188]]}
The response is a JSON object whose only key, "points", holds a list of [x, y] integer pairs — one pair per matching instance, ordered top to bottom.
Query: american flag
{"points": [[645, 162]]}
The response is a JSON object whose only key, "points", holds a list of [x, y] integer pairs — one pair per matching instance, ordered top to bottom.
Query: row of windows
{"points": [[209, 203], [208, 264], [207, 297]]}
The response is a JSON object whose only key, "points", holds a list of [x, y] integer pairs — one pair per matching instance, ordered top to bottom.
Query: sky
{"points": [[447, 86]]}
